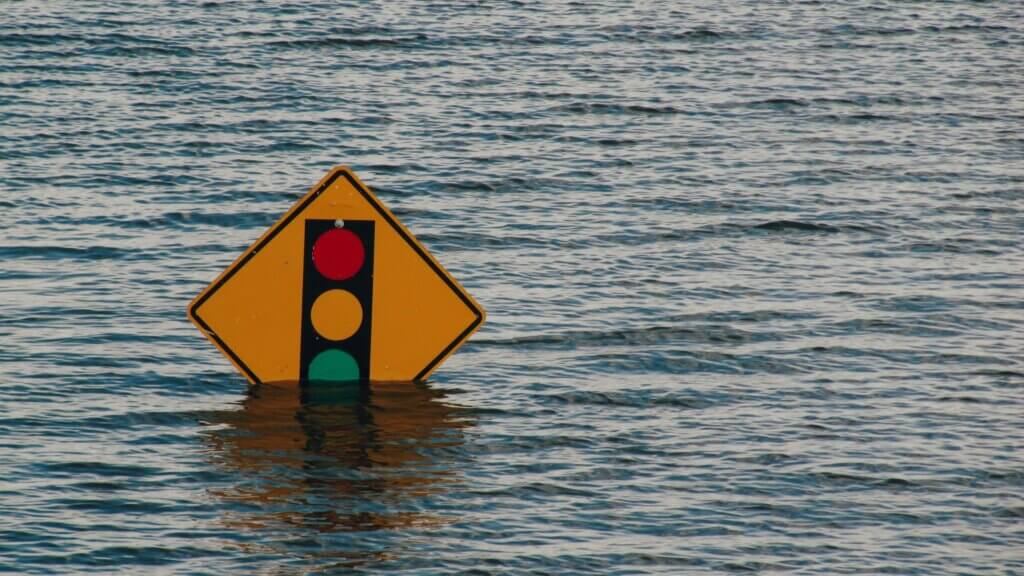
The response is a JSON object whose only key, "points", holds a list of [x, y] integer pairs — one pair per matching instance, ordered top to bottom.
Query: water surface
{"points": [[753, 274]]}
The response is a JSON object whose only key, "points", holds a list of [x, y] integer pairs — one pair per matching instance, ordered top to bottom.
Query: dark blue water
{"points": [[754, 274]]}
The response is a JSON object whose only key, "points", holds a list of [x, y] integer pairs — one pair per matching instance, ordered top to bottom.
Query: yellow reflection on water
{"points": [[330, 458]]}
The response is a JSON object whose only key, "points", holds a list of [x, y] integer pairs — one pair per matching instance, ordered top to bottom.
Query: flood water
{"points": [[753, 270]]}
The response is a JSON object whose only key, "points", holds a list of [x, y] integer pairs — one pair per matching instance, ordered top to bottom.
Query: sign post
{"points": [[337, 290]]}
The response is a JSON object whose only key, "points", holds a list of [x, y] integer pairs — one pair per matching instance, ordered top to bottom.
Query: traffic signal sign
{"points": [[337, 289], [337, 300]]}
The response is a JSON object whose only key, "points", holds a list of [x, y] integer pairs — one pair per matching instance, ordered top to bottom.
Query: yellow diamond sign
{"points": [[338, 289]]}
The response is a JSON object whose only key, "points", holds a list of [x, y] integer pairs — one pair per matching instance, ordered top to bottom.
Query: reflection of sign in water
{"points": [[338, 289], [338, 458]]}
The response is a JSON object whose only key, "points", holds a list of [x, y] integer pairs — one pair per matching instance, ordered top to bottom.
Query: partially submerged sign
{"points": [[338, 289]]}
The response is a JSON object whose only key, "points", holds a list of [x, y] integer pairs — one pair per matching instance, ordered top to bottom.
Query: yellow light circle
{"points": [[336, 314]]}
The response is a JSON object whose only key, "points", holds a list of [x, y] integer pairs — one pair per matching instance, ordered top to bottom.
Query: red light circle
{"points": [[338, 254]]}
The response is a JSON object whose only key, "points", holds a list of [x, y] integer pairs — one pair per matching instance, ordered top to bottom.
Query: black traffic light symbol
{"points": [[337, 300]]}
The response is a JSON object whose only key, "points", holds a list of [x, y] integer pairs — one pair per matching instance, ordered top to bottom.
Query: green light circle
{"points": [[333, 366]]}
